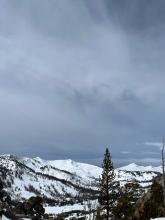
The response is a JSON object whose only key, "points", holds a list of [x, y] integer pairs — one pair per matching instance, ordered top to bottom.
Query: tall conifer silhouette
{"points": [[108, 185]]}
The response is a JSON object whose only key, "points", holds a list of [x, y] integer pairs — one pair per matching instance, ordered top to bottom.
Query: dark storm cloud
{"points": [[77, 75]]}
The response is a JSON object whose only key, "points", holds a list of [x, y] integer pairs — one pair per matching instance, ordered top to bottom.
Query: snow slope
{"points": [[135, 167], [65, 169], [142, 174], [25, 177], [57, 179], [5, 218], [161, 218]]}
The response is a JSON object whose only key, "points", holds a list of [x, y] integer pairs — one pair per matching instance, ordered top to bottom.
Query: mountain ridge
{"points": [[58, 179]]}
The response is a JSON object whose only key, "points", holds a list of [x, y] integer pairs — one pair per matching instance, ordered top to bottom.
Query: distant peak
{"points": [[6, 155], [9, 156], [39, 159], [69, 160], [133, 164], [129, 166], [135, 167]]}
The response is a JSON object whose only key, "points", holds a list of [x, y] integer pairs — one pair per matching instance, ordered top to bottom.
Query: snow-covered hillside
{"points": [[135, 167], [85, 174], [142, 174], [25, 177], [161, 218]]}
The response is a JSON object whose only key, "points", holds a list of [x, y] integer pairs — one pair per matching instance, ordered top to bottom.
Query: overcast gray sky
{"points": [[77, 75]]}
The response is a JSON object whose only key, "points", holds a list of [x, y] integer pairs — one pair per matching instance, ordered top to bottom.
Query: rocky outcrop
{"points": [[151, 204], [32, 207]]}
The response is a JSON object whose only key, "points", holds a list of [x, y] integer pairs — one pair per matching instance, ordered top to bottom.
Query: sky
{"points": [[79, 75]]}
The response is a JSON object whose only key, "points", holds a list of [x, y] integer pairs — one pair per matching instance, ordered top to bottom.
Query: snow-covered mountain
{"points": [[142, 174], [25, 177]]}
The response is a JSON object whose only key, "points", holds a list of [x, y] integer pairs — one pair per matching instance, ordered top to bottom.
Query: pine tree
{"points": [[108, 185], [129, 194]]}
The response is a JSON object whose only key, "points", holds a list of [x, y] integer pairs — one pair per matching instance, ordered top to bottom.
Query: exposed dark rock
{"points": [[151, 204]]}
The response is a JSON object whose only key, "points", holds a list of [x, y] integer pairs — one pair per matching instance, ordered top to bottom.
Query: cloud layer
{"points": [[78, 75]]}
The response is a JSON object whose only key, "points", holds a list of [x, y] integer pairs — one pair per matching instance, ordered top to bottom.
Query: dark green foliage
{"points": [[1, 185], [108, 186], [133, 190], [157, 193], [129, 194], [4, 196], [5, 202], [33, 206], [153, 207], [123, 209], [150, 210], [98, 215]]}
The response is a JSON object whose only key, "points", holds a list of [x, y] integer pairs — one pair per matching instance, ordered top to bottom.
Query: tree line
{"points": [[129, 202]]}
